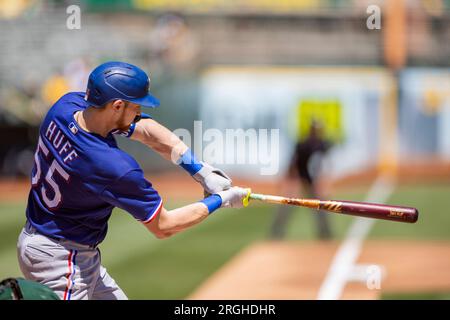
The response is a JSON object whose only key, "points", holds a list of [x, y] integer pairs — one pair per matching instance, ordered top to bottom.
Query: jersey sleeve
{"points": [[134, 194]]}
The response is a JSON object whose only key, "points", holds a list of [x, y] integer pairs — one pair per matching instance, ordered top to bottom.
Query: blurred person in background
{"points": [[11, 9], [173, 44], [76, 73], [54, 88], [305, 168]]}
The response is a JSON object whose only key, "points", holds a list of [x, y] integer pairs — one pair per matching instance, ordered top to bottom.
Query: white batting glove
{"points": [[213, 180], [233, 197]]}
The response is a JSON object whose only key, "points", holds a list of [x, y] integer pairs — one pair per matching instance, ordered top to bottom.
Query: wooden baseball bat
{"points": [[360, 209]]}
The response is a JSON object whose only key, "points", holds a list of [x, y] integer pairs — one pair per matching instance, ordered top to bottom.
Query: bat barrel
{"points": [[360, 209], [373, 210]]}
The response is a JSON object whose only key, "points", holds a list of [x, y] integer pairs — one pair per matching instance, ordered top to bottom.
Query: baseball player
{"points": [[305, 165], [80, 175]]}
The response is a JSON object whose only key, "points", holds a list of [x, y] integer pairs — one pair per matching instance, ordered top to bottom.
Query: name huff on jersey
{"points": [[60, 142]]}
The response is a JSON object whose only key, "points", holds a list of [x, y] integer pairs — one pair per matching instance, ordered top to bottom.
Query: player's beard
{"points": [[122, 125]]}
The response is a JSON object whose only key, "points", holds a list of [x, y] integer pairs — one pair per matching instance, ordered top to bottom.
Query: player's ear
{"points": [[118, 104]]}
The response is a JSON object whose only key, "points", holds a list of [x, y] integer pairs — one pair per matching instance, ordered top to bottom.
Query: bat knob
{"points": [[246, 199]]}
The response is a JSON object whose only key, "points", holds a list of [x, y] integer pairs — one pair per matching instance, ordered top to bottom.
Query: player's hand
{"points": [[213, 180], [233, 197]]}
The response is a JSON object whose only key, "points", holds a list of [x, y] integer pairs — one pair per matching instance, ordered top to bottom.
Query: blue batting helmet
{"points": [[119, 80]]}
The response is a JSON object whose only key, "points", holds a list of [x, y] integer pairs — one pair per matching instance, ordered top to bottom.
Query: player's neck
{"points": [[93, 120]]}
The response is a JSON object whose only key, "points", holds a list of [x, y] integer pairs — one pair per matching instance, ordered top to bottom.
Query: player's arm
{"points": [[160, 139], [170, 147], [131, 192], [168, 223]]}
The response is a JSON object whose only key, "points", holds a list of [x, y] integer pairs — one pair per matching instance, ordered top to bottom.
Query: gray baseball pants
{"points": [[73, 271]]}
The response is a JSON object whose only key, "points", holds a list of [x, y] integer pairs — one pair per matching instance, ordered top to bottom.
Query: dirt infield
{"points": [[295, 270]]}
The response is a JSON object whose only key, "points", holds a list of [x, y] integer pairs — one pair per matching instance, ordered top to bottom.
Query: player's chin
{"points": [[124, 128]]}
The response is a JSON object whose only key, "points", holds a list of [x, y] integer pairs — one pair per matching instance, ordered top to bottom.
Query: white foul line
{"points": [[347, 254]]}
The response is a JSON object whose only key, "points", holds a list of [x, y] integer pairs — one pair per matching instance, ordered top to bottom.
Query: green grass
{"points": [[433, 202], [12, 219], [147, 268], [171, 268], [417, 296]]}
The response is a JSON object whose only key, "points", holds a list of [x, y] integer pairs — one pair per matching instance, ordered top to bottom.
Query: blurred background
{"points": [[379, 90]]}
